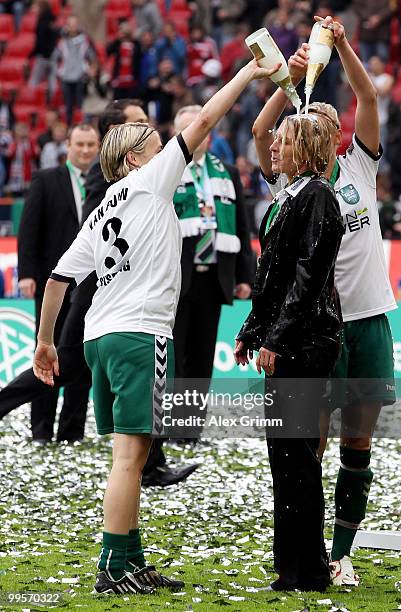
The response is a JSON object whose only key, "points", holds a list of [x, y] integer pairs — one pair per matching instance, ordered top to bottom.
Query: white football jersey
{"points": [[133, 241]]}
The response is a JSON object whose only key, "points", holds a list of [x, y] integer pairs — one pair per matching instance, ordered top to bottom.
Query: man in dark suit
{"points": [[49, 224], [216, 258]]}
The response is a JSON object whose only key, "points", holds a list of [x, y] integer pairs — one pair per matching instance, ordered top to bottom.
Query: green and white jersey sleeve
{"points": [[133, 241], [361, 270]]}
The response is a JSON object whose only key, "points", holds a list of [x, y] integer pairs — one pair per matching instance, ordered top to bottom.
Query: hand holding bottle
{"points": [[336, 27]]}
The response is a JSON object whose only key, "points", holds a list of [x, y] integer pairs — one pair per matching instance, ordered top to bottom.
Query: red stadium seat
{"points": [[56, 7], [118, 9], [28, 23], [6, 27], [21, 46], [12, 73], [396, 93], [32, 96], [24, 113], [347, 121], [346, 141]]}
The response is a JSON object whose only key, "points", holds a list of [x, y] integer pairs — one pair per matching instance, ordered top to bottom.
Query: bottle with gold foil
{"points": [[321, 43], [268, 55]]}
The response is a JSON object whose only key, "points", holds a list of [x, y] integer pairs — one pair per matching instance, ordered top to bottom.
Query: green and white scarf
{"points": [[187, 205]]}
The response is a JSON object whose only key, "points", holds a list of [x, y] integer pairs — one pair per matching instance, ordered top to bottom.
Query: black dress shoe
{"points": [[165, 476], [281, 584]]}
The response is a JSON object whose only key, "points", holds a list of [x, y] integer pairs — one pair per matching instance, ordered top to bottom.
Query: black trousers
{"points": [[73, 97], [195, 330], [73, 368], [76, 393], [299, 551]]}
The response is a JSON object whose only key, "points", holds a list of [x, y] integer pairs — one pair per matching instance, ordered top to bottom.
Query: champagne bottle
{"points": [[321, 43], [267, 54]]}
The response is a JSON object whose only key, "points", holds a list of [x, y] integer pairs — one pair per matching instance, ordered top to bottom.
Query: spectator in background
{"points": [[288, 7], [16, 8], [255, 12], [201, 14], [226, 15], [91, 16], [147, 17], [374, 28], [304, 29], [284, 32], [45, 42], [171, 46], [200, 49], [235, 52], [74, 58], [127, 63], [148, 65], [383, 83], [205, 89], [182, 96], [160, 97], [245, 112], [7, 118], [51, 118], [7, 121], [6, 139], [219, 143], [394, 146], [55, 150], [22, 154], [249, 176], [389, 210]]}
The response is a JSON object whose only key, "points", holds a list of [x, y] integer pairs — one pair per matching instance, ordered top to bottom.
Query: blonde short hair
{"points": [[311, 141], [117, 143]]}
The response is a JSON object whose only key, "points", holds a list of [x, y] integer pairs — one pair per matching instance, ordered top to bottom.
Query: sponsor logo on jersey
{"points": [[349, 194]]}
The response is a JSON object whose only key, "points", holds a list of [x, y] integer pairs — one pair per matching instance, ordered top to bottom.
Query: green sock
{"points": [[351, 498], [113, 554], [135, 556]]}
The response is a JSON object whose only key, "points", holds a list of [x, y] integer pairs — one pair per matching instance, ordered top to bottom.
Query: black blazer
{"points": [[49, 224], [232, 268], [294, 300]]}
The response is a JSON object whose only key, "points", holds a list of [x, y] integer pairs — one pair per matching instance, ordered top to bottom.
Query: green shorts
{"points": [[367, 361], [129, 376]]}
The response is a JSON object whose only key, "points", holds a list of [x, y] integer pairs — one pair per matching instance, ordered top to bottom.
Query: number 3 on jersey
{"points": [[115, 225]]}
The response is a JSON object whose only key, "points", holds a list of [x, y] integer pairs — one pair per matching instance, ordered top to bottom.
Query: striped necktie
{"points": [[204, 248]]}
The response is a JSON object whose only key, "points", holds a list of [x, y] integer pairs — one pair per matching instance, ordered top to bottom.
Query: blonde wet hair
{"points": [[326, 110], [118, 141], [311, 141]]}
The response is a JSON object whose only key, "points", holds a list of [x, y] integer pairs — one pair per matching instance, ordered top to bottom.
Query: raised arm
{"points": [[221, 103], [366, 119]]}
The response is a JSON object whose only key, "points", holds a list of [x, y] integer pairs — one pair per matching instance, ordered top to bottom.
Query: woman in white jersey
{"points": [[133, 241], [364, 289]]}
